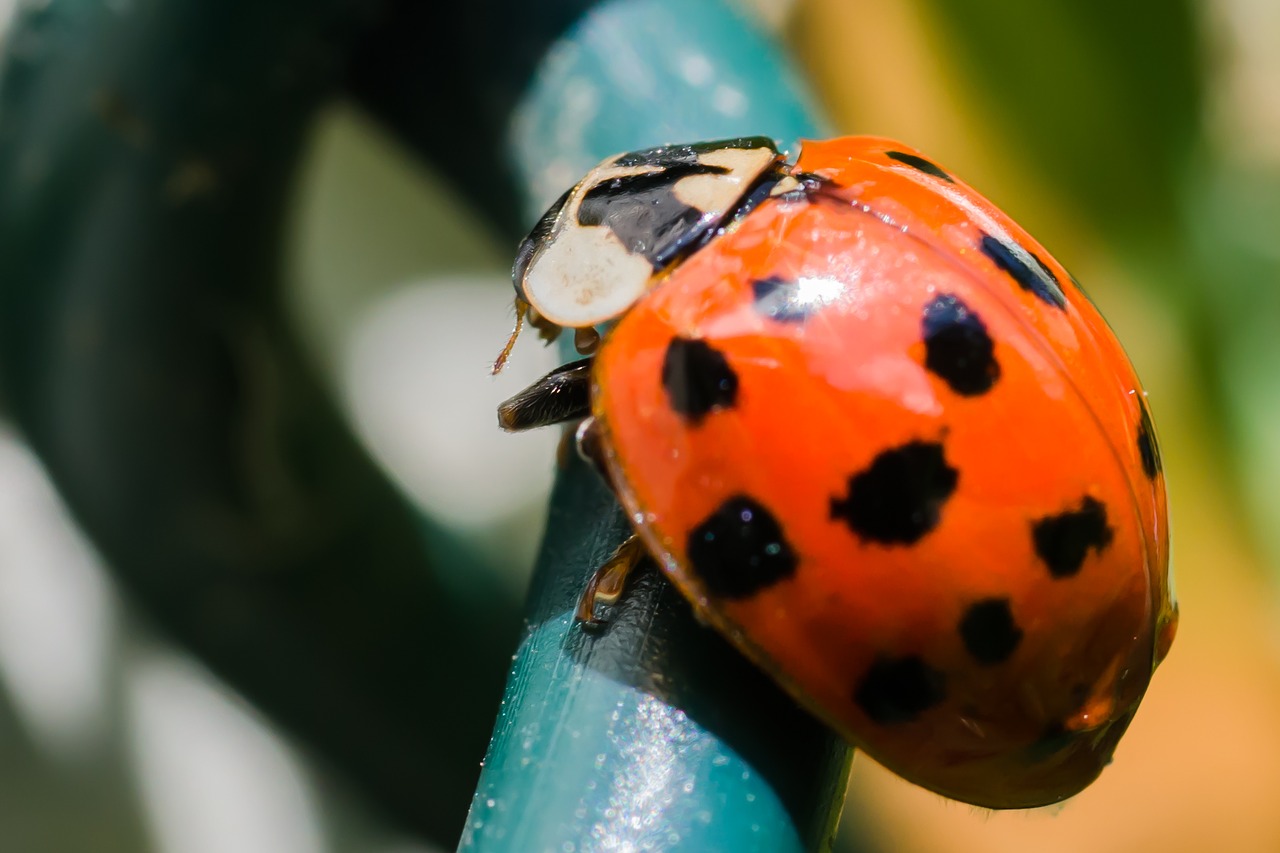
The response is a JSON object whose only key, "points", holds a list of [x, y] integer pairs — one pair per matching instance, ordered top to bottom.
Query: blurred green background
{"points": [[1137, 141]]}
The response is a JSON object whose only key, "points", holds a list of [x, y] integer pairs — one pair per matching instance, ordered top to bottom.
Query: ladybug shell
{"points": [[881, 441]]}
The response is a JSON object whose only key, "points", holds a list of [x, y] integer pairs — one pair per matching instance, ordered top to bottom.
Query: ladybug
{"points": [[878, 437]]}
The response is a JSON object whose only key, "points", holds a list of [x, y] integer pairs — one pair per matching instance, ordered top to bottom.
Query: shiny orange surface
{"points": [[819, 400]]}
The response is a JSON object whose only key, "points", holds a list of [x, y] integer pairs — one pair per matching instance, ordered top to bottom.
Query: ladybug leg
{"points": [[522, 309], [562, 395], [608, 582]]}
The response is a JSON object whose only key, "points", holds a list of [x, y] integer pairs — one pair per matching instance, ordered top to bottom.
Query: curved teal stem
{"points": [[653, 732]]}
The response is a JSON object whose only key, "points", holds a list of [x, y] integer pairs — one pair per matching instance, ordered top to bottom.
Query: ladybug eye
{"points": [[530, 245]]}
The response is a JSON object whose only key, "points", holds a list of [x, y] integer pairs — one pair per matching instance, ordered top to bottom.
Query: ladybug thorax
{"points": [[603, 244]]}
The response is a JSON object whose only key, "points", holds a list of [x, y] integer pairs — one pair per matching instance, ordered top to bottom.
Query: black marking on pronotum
{"points": [[663, 156], [919, 163], [758, 193], [645, 213], [1038, 279], [777, 299], [957, 347], [698, 378], [562, 395], [1148, 447], [899, 497], [1063, 541], [740, 549], [989, 632], [899, 690]]}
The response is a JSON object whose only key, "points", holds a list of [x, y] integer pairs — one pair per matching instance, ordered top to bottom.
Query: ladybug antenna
{"points": [[500, 362]]}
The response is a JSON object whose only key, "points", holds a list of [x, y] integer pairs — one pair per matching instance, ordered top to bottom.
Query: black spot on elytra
{"points": [[920, 164], [760, 192], [644, 212], [1039, 279], [776, 298], [957, 347], [698, 378], [1148, 449], [898, 498], [1062, 541], [740, 549], [989, 633], [898, 690]]}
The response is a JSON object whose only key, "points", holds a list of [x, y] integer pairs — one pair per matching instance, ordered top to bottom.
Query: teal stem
{"points": [[636, 73], [652, 732]]}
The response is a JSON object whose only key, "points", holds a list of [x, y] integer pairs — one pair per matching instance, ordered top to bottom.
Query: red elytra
{"points": [[881, 440]]}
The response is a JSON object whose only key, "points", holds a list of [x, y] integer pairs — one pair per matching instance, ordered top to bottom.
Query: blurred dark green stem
{"points": [[146, 160]]}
